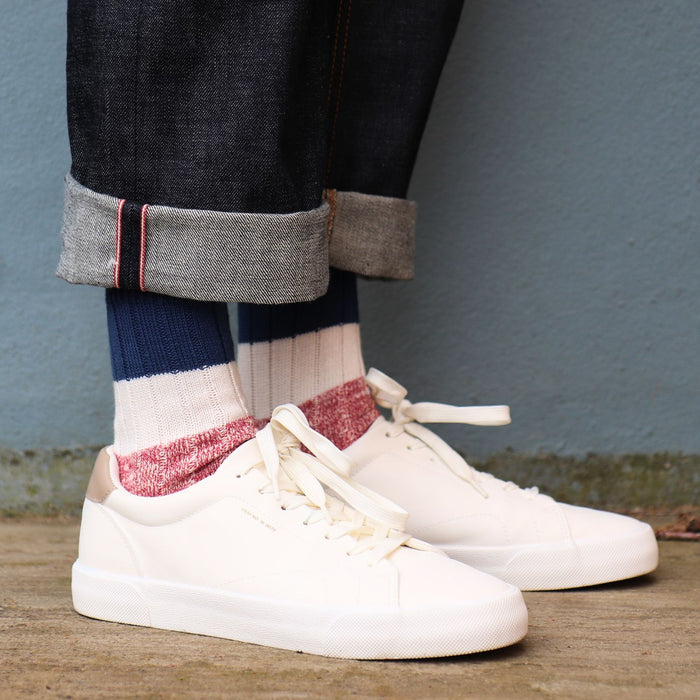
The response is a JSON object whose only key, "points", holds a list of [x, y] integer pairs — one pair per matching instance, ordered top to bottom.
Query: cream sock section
{"points": [[294, 370], [159, 409]]}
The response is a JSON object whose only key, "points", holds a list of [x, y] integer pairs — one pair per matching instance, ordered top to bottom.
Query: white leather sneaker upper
{"points": [[447, 509], [475, 517], [264, 533]]}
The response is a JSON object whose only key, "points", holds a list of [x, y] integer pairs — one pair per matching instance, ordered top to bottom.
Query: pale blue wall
{"points": [[558, 249]]}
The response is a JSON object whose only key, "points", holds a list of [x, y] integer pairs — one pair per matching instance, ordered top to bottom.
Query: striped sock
{"points": [[308, 354], [179, 409]]}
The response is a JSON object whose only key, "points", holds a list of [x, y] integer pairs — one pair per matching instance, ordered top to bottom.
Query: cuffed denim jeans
{"points": [[231, 150]]}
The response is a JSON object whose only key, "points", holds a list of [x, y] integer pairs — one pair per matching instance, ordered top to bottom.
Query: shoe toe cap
{"points": [[587, 524], [430, 579]]}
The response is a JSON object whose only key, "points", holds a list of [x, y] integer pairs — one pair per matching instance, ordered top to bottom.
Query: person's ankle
{"points": [[165, 469]]}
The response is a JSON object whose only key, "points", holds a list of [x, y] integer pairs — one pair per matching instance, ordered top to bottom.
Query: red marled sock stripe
{"points": [[343, 413], [164, 469]]}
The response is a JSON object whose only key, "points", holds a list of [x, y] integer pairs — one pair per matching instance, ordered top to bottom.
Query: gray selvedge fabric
{"points": [[373, 236], [233, 256]]}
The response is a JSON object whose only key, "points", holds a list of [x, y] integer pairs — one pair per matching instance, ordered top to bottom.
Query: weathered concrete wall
{"points": [[558, 246]]}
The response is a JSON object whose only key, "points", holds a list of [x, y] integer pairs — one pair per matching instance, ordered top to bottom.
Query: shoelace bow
{"points": [[408, 416], [298, 478]]}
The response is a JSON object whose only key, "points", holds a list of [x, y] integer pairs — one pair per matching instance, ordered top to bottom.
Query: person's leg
{"points": [[386, 61], [375, 129], [198, 137], [162, 165]]}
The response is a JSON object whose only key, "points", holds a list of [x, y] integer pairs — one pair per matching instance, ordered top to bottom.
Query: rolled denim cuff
{"points": [[371, 235], [232, 256]]}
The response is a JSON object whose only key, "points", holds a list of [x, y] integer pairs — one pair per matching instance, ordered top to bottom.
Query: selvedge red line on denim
{"points": [[118, 243], [130, 246], [142, 256]]}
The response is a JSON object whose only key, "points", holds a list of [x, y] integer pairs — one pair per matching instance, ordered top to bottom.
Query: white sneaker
{"points": [[519, 535], [260, 553]]}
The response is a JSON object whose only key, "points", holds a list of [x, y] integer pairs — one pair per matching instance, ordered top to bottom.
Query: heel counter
{"points": [[101, 483], [103, 544]]}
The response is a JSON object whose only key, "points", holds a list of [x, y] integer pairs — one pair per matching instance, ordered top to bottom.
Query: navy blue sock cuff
{"points": [[258, 323], [154, 334]]}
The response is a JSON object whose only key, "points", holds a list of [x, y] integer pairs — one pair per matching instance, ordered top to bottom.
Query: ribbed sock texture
{"points": [[308, 354], [179, 408]]}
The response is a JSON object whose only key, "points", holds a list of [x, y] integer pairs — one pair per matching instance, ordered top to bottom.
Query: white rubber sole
{"points": [[553, 566], [345, 632]]}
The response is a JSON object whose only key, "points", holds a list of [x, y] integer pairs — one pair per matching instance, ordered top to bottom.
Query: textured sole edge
{"points": [[557, 566], [343, 632]]}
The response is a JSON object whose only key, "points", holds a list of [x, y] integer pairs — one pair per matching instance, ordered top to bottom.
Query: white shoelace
{"points": [[407, 417], [297, 478]]}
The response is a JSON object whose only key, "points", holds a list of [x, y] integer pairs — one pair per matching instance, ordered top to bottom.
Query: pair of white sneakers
{"points": [[288, 547]]}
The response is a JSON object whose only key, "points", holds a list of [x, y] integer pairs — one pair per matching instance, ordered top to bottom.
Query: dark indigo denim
{"points": [[394, 55], [251, 105]]}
